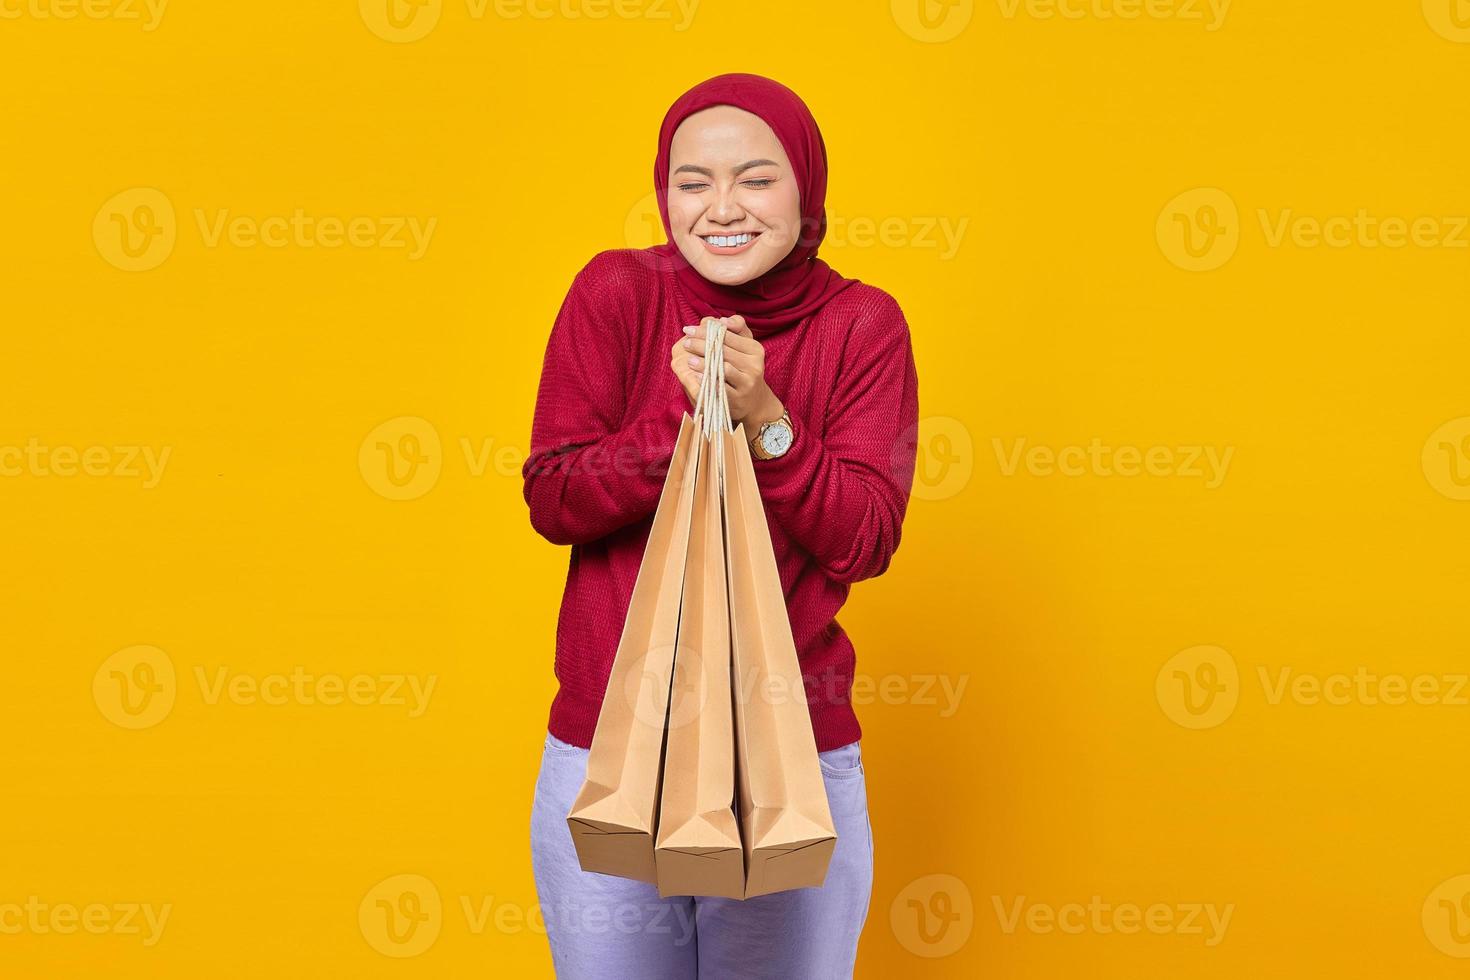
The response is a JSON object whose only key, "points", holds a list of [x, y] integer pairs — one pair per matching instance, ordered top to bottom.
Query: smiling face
{"points": [[734, 207]]}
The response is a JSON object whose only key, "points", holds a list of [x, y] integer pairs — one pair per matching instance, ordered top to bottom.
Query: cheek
{"points": [[683, 213], [782, 214]]}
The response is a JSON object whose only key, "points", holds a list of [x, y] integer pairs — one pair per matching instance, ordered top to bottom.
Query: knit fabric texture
{"points": [[607, 416]]}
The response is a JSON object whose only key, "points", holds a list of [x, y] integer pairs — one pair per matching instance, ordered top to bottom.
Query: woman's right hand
{"points": [[688, 368]]}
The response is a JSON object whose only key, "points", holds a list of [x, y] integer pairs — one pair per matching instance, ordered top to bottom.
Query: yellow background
{"points": [[1075, 764]]}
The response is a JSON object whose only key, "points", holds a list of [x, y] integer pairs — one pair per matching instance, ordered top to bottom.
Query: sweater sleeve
{"points": [[590, 470], [842, 495]]}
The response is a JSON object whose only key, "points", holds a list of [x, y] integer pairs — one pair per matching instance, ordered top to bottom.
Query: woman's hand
{"points": [[684, 368], [751, 400]]}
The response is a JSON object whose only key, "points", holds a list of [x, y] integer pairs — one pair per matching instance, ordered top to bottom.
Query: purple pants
{"points": [[606, 928]]}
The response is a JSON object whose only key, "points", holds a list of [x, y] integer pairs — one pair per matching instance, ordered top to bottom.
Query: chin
{"points": [[722, 271], [725, 275]]}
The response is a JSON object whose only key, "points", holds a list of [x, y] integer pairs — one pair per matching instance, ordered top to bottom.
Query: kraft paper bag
{"points": [[614, 818], [786, 827], [699, 850]]}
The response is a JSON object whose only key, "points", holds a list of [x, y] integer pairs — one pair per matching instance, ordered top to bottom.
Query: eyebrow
{"points": [[738, 170]]}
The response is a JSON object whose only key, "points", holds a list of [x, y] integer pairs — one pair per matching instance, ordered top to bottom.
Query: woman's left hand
{"points": [[751, 400]]}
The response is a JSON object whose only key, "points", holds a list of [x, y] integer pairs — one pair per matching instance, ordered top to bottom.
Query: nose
{"points": [[726, 210]]}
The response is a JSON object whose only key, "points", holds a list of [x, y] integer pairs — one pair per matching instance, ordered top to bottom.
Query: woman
{"points": [[820, 370]]}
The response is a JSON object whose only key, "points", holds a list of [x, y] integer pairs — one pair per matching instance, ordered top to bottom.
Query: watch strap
{"points": [[756, 446]]}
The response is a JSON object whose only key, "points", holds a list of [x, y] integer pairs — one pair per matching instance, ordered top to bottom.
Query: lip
{"points": [[730, 249]]}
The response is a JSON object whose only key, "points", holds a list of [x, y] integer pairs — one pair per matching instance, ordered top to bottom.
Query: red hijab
{"points": [[799, 284]]}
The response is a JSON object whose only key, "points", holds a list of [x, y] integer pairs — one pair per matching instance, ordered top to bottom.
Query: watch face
{"points": [[776, 439]]}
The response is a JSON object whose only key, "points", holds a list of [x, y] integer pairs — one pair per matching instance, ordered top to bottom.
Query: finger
{"points": [[700, 330], [739, 337], [696, 338], [696, 341], [746, 345], [746, 363], [738, 381]]}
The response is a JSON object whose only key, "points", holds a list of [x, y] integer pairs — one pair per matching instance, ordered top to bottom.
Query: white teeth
{"points": [[727, 241]]}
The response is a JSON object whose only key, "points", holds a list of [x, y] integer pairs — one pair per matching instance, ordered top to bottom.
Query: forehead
{"points": [[724, 134]]}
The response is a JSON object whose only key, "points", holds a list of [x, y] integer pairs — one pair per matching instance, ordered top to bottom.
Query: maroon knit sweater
{"points": [[608, 414]]}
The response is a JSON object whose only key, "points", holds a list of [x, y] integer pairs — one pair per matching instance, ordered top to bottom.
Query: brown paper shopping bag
{"points": [[713, 788], [614, 818], [785, 824], [699, 850]]}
